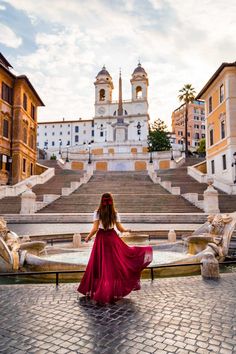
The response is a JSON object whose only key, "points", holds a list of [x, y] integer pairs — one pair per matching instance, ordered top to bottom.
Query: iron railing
{"points": [[57, 273]]}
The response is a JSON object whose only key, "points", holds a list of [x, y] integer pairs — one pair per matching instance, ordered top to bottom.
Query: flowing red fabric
{"points": [[114, 268]]}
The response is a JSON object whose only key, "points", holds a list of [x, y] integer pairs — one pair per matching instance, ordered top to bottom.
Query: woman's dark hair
{"points": [[106, 211]]}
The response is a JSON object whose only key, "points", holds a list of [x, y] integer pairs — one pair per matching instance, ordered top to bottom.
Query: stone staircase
{"points": [[62, 178], [180, 178], [133, 192]]}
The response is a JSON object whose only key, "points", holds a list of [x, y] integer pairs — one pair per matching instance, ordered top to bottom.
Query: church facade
{"points": [[121, 121], [114, 122], [114, 139]]}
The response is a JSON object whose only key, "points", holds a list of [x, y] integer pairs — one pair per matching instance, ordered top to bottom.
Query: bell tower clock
{"points": [[103, 92]]}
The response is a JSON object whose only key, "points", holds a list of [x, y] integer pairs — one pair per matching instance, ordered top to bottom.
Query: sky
{"points": [[61, 45]]}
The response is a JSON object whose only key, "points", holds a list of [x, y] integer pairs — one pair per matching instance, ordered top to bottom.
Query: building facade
{"points": [[219, 94], [115, 123], [196, 124], [18, 125], [54, 136]]}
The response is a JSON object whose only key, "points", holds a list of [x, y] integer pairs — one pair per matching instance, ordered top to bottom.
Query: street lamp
{"points": [[60, 144], [150, 148], [89, 151], [67, 152], [234, 164], [10, 170]]}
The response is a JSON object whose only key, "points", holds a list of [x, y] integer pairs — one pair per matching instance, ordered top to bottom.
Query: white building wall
{"points": [[68, 132]]}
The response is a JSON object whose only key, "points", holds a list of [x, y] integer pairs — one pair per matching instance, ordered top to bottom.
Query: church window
{"points": [[139, 93], [102, 95], [76, 129], [101, 133], [76, 138]]}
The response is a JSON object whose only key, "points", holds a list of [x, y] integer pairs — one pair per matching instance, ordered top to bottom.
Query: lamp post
{"points": [[60, 144], [150, 148], [89, 151], [67, 152], [171, 154], [234, 165], [10, 170]]}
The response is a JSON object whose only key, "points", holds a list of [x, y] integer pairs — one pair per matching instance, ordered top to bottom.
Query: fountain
{"points": [[208, 245]]}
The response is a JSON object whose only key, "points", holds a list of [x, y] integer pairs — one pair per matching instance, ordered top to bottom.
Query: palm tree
{"points": [[187, 95]]}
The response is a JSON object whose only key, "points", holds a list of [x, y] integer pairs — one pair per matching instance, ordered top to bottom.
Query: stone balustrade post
{"points": [[211, 199], [28, 201], [172, 235], [77, 240]]}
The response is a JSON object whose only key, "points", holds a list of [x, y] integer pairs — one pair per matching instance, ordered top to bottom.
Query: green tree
{"points": [[186, 95], [158, 139], [201, 150]]}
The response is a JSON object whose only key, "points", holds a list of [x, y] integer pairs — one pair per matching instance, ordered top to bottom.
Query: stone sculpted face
{"points": [[217, 223]]}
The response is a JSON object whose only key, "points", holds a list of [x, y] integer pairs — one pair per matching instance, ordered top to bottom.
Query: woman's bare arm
{"points": [[121, 228], [93, 230]]}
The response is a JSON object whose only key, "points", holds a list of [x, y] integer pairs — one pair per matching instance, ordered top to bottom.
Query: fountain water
{"points": [[210, 241]]}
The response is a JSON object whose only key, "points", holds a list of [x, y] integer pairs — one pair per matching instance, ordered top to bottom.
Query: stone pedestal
{"points": [[211, 200], [28, 201], [172, 236], [77, 240], [210, 267]]}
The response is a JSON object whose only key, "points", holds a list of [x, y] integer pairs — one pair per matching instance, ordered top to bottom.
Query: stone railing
{"points": [[179, 161], [194, 172], [165, 184], [229, 188], [12, 191], [65, 191], [193, 199], [210, 202]]}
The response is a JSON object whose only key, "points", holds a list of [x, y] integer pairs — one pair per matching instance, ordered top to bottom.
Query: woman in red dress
{"points": [[114, 268]]}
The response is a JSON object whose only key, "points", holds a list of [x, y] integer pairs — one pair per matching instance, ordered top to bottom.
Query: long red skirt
{"points": [[114, 268]]}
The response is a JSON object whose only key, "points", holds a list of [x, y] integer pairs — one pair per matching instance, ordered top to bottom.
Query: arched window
{"points": [[139, 93], [102, 95], [25, 135]]}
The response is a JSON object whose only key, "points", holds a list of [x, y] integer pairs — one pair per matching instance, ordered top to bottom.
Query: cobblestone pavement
{"points": [[174, 315]]}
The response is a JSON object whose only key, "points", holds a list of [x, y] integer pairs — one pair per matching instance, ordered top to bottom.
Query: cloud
{"points": [[8, 37], [177, 42]]}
